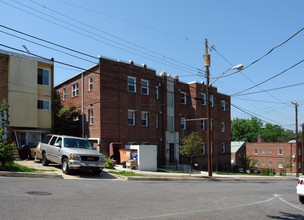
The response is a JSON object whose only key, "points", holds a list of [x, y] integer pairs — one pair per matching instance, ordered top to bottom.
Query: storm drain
{"points": [[39, 193]]}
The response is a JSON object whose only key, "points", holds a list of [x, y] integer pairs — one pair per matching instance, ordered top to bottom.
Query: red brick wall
{"points": [[3, 77]]}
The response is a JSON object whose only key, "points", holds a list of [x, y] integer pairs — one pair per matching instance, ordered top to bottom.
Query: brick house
{"points": [[26, 82], [124, 103], [276, 156]]}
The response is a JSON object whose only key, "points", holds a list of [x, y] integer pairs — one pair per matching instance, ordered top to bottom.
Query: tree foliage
{"points": [[64, 122], [248, 130], [191, 147], [6, 149]]}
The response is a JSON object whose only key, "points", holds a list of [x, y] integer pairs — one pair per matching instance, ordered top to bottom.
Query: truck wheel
{"points": [[44, 161], [65, 166], [96, 172], [301, 199]]}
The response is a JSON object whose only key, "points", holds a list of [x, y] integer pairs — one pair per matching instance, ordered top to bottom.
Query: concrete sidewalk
{"points": [[54, 171]]}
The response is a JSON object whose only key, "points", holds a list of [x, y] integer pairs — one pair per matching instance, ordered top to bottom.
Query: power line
{"points": [[269, 79], [283, 87]]}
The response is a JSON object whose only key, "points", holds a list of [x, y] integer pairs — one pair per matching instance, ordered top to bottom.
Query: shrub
{"points": [[108, 163]]}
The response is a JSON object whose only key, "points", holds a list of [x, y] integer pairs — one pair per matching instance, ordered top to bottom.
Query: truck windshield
{"points": [[77, 143]]}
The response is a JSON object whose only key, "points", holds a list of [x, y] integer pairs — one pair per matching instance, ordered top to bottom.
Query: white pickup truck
{"points": [[72, 153]]}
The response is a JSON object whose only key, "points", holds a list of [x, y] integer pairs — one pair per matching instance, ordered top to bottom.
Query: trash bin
{"points": [[134, 157]]}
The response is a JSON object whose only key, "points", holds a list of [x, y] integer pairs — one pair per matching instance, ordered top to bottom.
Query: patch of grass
{"points": [[17, 168], [174, 171], [125, 173]]}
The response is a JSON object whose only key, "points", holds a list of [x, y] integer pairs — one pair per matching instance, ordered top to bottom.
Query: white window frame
{"points": [[49, 76], [90, 82], [132, 84], [144, 87], [75, 89], [156, 93], [64, 94], [183, 98], [203, 99], [211, 101], [45, 105], [223, 105], [132, 112], [91, 116], [145, 119], [183, 123], [223, 127], [223, 148], [203, 150], [256, 151], [263, 151], [280, 153], [263, 163], [269, 164], [280, 165]]}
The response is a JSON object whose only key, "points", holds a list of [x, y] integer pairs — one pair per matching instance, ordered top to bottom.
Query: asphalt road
{"points": [[35, 198]]}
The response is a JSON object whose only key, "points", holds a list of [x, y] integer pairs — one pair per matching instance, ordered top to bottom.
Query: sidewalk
{"points": [[54, 171]]}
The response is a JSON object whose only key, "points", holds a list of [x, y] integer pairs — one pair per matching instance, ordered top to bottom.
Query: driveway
{"points": [[56, 169]]}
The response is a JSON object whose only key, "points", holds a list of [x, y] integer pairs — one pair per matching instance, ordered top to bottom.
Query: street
{"points": [[38, 198]]}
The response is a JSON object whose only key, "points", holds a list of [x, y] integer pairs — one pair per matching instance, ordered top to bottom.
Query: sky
{"points": [[170, 36]]}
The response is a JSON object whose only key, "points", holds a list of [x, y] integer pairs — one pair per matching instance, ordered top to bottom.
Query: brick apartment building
{"points": [[26, 83], [123, 104], [276, 156]]}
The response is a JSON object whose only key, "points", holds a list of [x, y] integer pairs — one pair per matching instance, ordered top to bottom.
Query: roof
{"points": [[41, 60], [236, 145]]}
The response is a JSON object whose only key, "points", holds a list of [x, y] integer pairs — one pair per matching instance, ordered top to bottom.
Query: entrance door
{"points": [[172, 153]]}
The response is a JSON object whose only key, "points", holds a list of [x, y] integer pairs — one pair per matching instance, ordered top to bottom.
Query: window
{"points": [[43, 77], [90, 83], [131, 84], [144, 87], [74, 90], [156, 93], [63, 94], [183, 98], [170, 99], [203, 99], [211, 101], [43, 105], [223, 108], [91, 116], [131, 117], [144, 119], [156, 121], [170, 123], [183, 123], [203, 124], [211, 124], [223, 127], [204, 148], [223, 148], [270, 150], [255, 151], [263, 151], [299, 151], [280, 152], [256, 163], [263, 163], [269, 164], [280, 165], [299, 166]]}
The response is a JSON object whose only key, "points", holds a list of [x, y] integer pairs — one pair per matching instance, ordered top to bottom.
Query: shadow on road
{"points": [[286, 215]]}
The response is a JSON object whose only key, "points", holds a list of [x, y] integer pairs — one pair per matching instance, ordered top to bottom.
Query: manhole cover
{"points": [[38, 193]]}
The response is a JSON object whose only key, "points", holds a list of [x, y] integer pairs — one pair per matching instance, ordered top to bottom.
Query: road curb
{"points": [[29, 175]]}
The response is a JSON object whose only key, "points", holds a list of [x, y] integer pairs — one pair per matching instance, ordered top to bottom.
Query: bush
{"points": [[108, 163]]}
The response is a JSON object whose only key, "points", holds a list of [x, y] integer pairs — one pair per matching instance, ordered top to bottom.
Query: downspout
{"points": [[82, 107]]}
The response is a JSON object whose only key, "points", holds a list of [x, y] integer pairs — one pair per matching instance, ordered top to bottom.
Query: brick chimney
{"points": [[260, 138]]}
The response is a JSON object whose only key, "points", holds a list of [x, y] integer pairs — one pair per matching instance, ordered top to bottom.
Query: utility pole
{"points": [[207, 65], [297, 147], [302, 148]]}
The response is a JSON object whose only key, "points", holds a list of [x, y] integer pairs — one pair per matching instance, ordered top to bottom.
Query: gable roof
{"points": [[236, 145]]}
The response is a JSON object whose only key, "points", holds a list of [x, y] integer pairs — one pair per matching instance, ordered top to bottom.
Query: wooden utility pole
{"points": [[207, 65], [297, 147]]}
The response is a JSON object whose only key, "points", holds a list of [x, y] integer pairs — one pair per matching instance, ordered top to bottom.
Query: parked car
{"points": [[35, 153], [72, 153], [300, 189]]}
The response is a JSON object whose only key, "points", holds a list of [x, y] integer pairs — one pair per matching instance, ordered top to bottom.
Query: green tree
{"points": [[64, 122], [245, 129], [191, 147], [6, 149], [245, 161]]}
